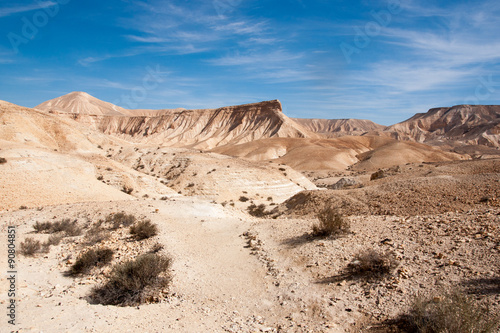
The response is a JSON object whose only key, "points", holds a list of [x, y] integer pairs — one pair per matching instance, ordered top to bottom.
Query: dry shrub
{"points": [[3, 160], [377, 175], [127, 190], [243, 199], [257, 211], [120, 219], [331, 223], [42, 226], [66, 226], [144, 229], [96, 234], [54, 239], [30, 247], [157, 247], [90, 259], [373, 263], [134, 282], [453, 312]]}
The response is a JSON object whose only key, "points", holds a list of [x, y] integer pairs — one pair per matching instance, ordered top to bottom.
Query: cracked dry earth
{"points": [[236, 273]]}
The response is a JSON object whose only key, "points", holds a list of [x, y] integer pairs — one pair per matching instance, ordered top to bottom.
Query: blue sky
{"points": [[377, 60]]}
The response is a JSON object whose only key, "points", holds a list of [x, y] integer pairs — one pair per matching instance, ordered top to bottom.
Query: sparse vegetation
{"points": [[3, 160], [377, 175], [127, 190], [243, 199], [257, 211], [120, 219], [331, 223], [66, 226], [144, 229], [96, 235], [53, 240], [30, 247], [157, 247], [90, 259], [373, 264], [134, 282], [454, 312]]}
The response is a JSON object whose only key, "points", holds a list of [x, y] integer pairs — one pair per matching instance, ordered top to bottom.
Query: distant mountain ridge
{"points": [[467, 124], [339, 127], [203, 128], [210, 128]]}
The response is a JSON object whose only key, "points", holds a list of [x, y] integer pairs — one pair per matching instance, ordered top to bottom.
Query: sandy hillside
{"points": [[203, 129], [338, 154], [53, 160], [433, 217]]}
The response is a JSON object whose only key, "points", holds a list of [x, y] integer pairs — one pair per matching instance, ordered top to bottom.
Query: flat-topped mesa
{"points": [[201, 128]]}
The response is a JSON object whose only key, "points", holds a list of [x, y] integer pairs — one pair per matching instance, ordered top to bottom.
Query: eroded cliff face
{"points": [[467, 124], [339, 127], [203, 129]]}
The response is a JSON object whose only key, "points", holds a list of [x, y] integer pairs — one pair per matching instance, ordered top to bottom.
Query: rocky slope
{"points": [[465, 124], [339, 127], [205, 128]]}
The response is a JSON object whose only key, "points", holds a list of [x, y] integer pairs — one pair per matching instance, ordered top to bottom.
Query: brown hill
{"points": [[465, 124], [339, 127], [205, 128], [361, 152]]}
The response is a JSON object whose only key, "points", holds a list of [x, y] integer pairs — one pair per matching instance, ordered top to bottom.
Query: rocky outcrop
{"points": [[466, 124]]}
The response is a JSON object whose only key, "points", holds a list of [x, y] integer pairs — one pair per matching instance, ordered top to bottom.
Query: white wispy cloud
{"points": [[7, 11], [147, 39], [264, 59]]}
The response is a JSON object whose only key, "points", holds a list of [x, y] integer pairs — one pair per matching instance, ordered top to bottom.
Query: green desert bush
{"points": [[331, 223], [144, 229], [30, 247], [90, 259], [134, 282], [454, 312]]}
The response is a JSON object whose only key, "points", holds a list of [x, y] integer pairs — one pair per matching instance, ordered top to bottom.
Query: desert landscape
{"points": [[248, 220]]}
